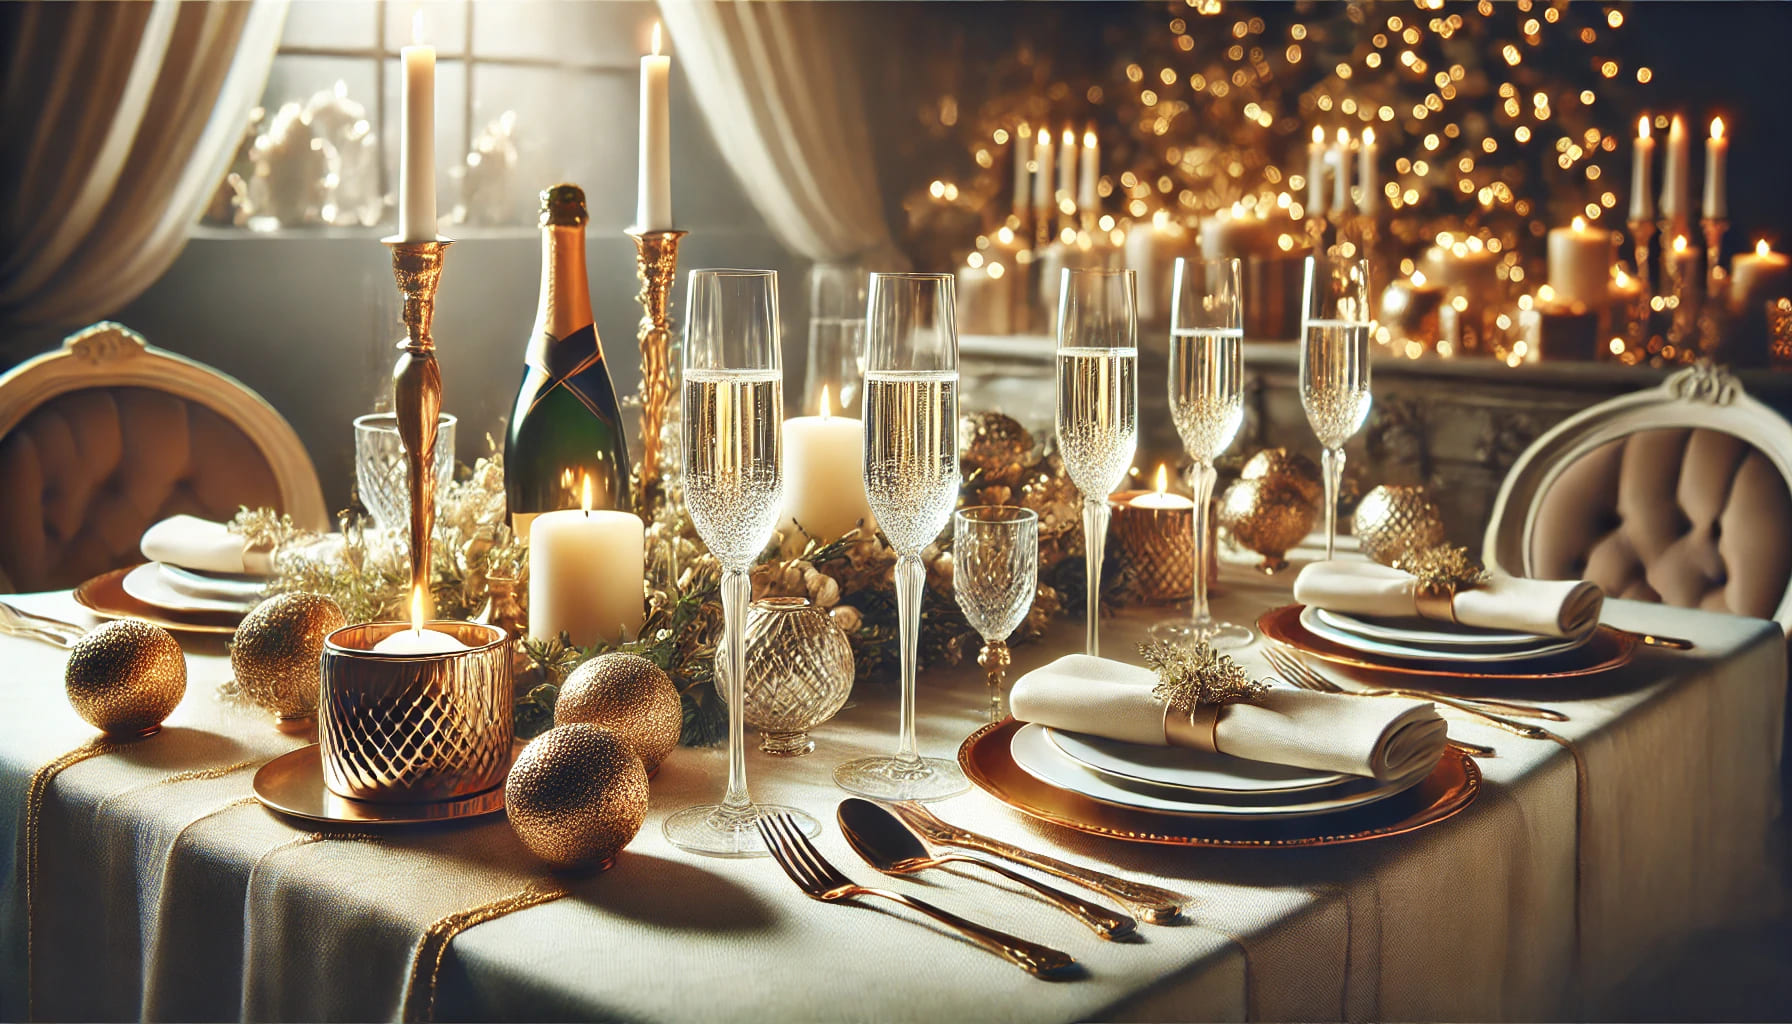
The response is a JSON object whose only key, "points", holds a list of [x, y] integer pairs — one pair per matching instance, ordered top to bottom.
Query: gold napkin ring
{"points": [[1434, 601], [1196, 730]]}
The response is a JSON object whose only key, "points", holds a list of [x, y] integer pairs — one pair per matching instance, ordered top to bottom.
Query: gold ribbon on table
{"points": [[1439, 573], [1194, 682], [426, 961]]}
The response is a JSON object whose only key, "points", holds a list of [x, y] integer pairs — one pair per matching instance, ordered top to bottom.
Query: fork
{"points": [[19, 622], [1306, 678], [820, 880]]}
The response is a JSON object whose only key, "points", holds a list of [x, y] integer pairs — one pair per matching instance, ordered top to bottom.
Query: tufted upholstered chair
{"points": [[108, 435], [1681, 494]]}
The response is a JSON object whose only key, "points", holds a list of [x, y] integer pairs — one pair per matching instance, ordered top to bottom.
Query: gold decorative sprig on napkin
{"points": [[264, 529], [1444, 567], [1191, 676]]}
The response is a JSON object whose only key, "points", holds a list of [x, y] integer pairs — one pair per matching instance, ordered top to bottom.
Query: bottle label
{"points": [[555, 362]]}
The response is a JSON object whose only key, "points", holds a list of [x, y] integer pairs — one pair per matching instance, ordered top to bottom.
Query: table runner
{"points": [[179, 900]]}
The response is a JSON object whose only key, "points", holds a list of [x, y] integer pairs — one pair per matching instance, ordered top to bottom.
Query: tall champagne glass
{"points": [[1334, 365], [1207, 403], [1098, 404], [733, 423], [911, 478]]}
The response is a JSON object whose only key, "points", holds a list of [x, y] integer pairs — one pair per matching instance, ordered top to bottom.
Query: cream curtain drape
{"points": [[780, 92], [120, 118]]}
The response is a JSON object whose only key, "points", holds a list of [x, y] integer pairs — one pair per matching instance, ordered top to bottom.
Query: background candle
{"points": [[1022, 147], [417, 153], [1717, 162], [1067, 169], [1042, 172], [1316, 173], [1642, 174], [1341, 182], [1676, 183], [1086, 196], [1369, 200], [653, 202], [1580, 264], [1759, 277], [824, 480], [585, 574]]}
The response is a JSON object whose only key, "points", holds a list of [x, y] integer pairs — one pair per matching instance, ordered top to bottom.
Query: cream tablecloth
{"points": [[167, 893]]}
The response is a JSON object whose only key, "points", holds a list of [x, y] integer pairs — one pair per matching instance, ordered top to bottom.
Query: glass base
{"points": [[1221, 636], [786, 744], [886, 778], [719, 831]]}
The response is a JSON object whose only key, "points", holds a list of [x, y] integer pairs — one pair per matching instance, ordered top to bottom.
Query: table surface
{"points": [[165, 892]]}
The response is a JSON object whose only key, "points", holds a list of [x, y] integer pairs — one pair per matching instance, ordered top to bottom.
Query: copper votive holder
{"points": [[1157, 546], [398, 728]]}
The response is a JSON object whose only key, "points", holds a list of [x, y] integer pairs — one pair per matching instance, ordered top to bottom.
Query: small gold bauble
{"points": [[993, 444], [1287, 467], [1268, 517], [1394, 517], [277, 651], [126, 676], [629, 695], [576, 795]]}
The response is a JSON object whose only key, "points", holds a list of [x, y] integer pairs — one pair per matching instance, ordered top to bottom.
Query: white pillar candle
{"points": [[1021, 145], [417, 152], [1717, 163], [1067, 169], [1042, 172], [1316, 173], [1089, 174], [1642, 174], [1341, 183], [1676, 183], [1370, 199], [653, 201], [1152, 248], [1465, 263], [1580, 264], [1759, 277], [824, 479], [1162, 497], [586, 571], [418, 640]]}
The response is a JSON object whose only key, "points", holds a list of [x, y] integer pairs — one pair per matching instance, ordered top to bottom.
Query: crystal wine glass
{"points": [[1334, 365], [1098, 403], [1207, 404], [733, 422], [911, 478], [995, 573]]}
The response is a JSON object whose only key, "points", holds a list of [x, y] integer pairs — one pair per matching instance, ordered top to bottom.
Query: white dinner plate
{"points": [[146, 584], [1416, 632], [1543, 647], [1035, 754], [1216, 776]]}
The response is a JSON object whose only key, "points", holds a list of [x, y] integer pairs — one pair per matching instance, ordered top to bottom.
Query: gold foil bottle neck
{"points": [[563, 205]]}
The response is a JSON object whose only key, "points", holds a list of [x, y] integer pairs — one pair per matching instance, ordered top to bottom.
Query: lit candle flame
{"points": [[417, 27], [656, 39], [1642, 127], [1717, 128], [1318, 134], [1368, 136], [1069, 137], [1343, 137], [1089, 139], [1580, 224], [1679, 243], [1762, 248], [1418, 278], [826, 406], [1163, 479], [585, 499], [417, 610]]}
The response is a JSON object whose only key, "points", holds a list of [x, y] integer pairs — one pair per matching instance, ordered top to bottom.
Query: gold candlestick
{"points": [[1641, 231], [1714, 239], [656, 266], [417, 393]]}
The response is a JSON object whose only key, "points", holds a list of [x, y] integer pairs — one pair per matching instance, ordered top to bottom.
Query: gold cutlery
{"points": [[1666, 643], [1307, 679], [887, 845], [820, 880], [1158, 906]]}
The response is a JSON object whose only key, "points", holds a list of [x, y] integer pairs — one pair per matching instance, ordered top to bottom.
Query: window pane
{"points": [[332, 24], [576, 33], [576, 126]]}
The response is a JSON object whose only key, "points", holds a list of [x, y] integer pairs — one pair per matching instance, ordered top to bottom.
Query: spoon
{"points": [[887, 845]]}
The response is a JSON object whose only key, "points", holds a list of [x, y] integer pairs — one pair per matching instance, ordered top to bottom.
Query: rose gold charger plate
{"points": [[105, 596], [1605, 650], [986, 761], [293, 784]]}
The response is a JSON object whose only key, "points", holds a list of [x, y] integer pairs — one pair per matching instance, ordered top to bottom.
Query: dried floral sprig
{"points": [[264, 529], [1445, 568], [1191, 676]]}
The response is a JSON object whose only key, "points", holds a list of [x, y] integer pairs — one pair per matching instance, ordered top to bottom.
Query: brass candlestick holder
{"points": [[1714, 228], [1641, 232], [656, 266], [417, 393]]}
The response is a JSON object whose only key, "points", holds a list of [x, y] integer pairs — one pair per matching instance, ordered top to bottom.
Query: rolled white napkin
{"points": [[204, 546], [1564, 608], [1383, 737]]}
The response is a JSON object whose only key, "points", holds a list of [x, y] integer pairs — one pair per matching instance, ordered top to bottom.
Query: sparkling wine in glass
{"points": [[1334, 366], [1098, 404], [1207, 404], [733, 424], [911, 479], [995, 575]]}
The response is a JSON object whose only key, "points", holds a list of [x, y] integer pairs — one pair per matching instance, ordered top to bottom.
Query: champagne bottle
{"points": [[566, 427]]}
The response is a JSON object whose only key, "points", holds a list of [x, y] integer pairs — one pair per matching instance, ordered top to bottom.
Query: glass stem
{"points": [[1333, 460], [1204, 477], [1095, 540], [911, 575], [737, 589]]}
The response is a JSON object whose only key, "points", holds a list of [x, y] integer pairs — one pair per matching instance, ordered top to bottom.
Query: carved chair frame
{"points": [[1701, 397]]}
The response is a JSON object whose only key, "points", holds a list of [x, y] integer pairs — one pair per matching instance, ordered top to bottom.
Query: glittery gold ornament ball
{"points": [[994, 444], [1287, 467], [1267, 516], [1393, 518], [277, 649], [126, 676], [628, 695], [576, 795]]}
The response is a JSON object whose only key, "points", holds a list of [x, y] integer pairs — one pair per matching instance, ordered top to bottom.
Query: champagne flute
{"points": [[1334, 365], [1098, 403], [1207, 403], [733, 423], [911, 478], [995, 557]]}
